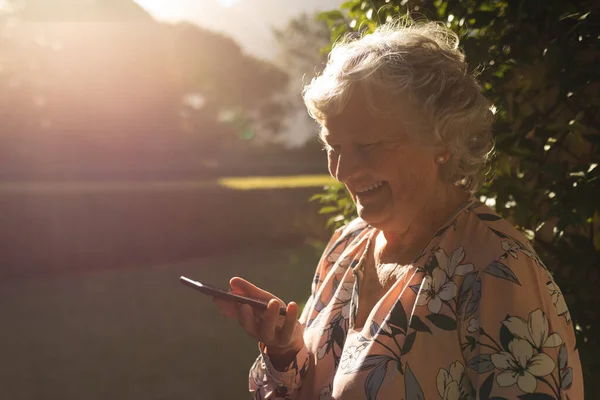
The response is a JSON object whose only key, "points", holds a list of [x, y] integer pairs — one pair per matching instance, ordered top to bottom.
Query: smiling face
{"points": [[389, 176]]}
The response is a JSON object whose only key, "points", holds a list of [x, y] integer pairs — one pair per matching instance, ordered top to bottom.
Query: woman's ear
{"points": [[443, 157]]}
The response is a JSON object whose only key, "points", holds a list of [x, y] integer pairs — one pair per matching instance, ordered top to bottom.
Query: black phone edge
{"points": [[220, 293]]}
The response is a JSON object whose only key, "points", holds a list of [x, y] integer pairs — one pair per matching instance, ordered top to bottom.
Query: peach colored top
{"points": [[476, 315]]}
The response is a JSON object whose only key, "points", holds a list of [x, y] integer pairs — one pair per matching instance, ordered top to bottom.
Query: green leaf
{"points": [[350, 4], [333, 15], [481, 19], [316, 197], [328, 210], [488, 217], [499, 270], [398, 316], [442, 321], [418, 325], [338, 335], [505, 337], [409, 340], [472, 342], [481, 363], [412, 387], [486, 387]]}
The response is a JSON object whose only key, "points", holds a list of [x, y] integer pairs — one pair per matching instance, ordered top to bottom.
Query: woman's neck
{"points": [[404, 246]]}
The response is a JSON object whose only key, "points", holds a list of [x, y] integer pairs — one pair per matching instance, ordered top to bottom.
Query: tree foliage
{"points": [[299, 45], [538, 64]]}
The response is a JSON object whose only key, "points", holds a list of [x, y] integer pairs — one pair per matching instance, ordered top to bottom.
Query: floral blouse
{"points": [[476, 315]]}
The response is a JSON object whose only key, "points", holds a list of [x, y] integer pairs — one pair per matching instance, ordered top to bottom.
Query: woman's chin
{"points": [[376, 206], [376, 217]]}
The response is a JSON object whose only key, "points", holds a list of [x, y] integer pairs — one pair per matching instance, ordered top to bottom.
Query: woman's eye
{"points": [[326, 146], [367, 146]]}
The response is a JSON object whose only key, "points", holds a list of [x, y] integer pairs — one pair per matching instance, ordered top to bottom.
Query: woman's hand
{"points": [[282, 336]]}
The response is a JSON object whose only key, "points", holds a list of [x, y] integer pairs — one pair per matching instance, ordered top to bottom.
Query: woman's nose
{"points": [[347, 165]]}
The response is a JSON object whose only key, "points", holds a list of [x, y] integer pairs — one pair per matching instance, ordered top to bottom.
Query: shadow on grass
{"points": [[138, 333]]}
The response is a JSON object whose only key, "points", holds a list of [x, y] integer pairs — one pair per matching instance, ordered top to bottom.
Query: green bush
{"points": [[538, 63]]}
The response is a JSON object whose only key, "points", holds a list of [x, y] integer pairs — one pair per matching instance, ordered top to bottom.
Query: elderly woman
{"points": [[429, 294]]}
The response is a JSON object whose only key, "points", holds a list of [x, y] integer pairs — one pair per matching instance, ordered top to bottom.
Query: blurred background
{"points": [[143, 140], [140, 141]]}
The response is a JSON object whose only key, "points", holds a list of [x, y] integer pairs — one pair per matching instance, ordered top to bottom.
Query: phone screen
{"points": [[225, 295]]}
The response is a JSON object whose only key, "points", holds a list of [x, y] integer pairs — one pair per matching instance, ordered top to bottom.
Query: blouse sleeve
{"points": [[516, 335], [266, 382]]}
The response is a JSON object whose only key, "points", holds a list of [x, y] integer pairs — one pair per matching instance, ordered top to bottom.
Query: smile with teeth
{"points": [[370, 187]]}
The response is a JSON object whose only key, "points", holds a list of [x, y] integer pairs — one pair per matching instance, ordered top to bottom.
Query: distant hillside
{"points": [[101, 89]]}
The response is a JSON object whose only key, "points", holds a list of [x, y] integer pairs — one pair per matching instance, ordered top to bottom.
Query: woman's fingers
{"points": [[242, 286], [227, 308], [248, 321], [268, 323], [266, 326], [287, 330]]}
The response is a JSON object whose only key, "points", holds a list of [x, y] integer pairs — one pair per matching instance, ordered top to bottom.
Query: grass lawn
{"points": [[276, 182], [238, 183], [137, 333]]}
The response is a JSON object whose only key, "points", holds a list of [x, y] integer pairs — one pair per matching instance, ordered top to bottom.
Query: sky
{"points": [[249, 22]]}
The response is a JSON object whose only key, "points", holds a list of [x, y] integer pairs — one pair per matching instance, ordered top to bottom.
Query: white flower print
{"points": [[510, 248], [530, 252], [452, 265], [436, 288], [343, 296], [558, 300], [341, 302], [473, 325], [535, 330], [322, 351], [350, 355], [521, 366], [450, 384]]}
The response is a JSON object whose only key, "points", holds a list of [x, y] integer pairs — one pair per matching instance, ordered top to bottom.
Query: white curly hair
{"points": [[419, 65]]}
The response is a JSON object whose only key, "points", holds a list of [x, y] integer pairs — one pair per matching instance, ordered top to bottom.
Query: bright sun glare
{"points": [[227, 3], [174, 9]]}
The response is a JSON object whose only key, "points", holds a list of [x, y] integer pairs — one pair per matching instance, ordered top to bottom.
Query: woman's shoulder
{"points": [[489, 219], [500, 230], [484, 235]]}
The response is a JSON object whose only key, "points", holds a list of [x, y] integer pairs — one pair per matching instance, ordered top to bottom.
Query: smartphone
{"points": [[227, 296]]}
